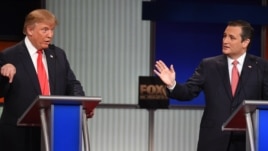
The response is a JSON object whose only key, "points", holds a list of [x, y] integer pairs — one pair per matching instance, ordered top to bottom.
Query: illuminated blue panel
{"points": [[186, 32], [185, 44], [66, 129], [263, 131]]}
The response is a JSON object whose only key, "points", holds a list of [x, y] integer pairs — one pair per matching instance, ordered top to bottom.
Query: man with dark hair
{"points": [[226, 81]]}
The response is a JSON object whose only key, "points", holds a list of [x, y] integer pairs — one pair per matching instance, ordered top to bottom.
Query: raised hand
{"points": [[167, 75]]}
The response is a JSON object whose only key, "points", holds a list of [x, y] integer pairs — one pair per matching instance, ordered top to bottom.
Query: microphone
{"points": [[51, 46]]}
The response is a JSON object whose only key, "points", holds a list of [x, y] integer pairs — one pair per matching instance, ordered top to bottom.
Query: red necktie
{"points": [[42, 75], [235, 77]]}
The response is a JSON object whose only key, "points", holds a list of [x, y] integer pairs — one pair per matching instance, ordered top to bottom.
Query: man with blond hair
{"points": [[20, 86]]}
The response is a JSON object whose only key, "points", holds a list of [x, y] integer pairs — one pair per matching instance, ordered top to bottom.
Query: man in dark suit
{"points": [[214, 77], [19, 90]]}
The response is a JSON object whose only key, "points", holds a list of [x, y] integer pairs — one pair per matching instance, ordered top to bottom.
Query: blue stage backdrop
{"points": [[187, 31], [185, 44]]}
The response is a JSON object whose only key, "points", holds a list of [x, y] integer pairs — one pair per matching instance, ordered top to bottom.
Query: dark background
{"points": [[12, 15]]}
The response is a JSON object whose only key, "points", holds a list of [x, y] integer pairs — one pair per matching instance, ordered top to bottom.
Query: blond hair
{"points": [[38, 16]]}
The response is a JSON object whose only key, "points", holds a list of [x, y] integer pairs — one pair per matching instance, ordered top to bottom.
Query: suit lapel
{"points": [[51, 65], [29, 67], [248, 67], [30, 70], [224, 72]]}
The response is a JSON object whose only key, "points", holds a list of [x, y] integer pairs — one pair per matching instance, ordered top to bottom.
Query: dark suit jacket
{"points": [[212, 77], [25, 87]]}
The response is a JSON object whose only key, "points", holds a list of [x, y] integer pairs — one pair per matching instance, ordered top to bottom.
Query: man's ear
{"points": [[29, 30], [245, 43]]}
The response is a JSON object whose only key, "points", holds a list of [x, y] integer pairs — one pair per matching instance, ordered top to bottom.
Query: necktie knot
{"points": [[40, 52], [235, 62]]}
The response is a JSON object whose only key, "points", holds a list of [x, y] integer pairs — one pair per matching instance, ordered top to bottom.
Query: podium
{"points": [[251, 116], [63, 121]]}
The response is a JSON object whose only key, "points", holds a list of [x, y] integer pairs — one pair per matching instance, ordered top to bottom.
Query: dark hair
{"points": [[247, 29]]}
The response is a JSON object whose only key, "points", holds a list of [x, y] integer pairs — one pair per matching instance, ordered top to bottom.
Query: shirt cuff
{"points": [[172, 87]]}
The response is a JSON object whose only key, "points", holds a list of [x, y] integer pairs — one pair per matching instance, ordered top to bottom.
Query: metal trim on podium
{"points": [[251, 116], [63, 120]]}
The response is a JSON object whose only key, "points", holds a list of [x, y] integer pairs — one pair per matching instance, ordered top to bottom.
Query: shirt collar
{"points": [[31, 49], [240, 60]]}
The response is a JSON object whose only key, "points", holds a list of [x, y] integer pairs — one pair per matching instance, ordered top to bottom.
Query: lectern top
{"points": [[31, 117]]}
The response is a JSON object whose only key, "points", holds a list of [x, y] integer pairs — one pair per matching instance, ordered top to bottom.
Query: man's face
{"points": [[41, 34], [232, 44]]}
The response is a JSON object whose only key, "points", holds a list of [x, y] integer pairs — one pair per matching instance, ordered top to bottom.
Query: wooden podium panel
{"points": [[31, 116], [251, 116], [237, 121]]}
